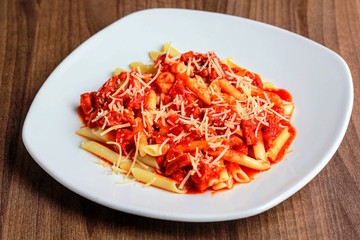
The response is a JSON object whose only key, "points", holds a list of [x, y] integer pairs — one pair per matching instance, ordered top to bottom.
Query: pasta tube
{"points": [[156, 180]]}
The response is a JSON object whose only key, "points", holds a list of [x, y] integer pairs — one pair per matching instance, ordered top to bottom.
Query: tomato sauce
{"points": [[81, 115]]}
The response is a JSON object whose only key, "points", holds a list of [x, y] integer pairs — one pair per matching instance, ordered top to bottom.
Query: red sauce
{"points": [[283, 94], [81, 115], [287, 145], [250, 172]]}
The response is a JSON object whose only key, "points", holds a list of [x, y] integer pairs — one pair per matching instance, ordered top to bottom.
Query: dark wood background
{"points": [[36, 35]]}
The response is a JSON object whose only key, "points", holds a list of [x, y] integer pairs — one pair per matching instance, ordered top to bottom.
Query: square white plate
{"points": [[318, 79]]}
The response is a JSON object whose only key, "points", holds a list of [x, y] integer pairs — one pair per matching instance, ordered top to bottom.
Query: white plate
{"points": [[318, 79]]}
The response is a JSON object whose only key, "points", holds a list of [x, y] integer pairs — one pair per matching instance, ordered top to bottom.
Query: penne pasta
{"points": [[167, 48], [155, 54], [144, 68], [117, 71], [269, 86], [199, 89], [231, 89], [288, 109], [187, 122], [92, 134], [140, 137], [278, 144], [259, 149], [154, 150], [102, 151], [245, 160], [149, 161], [128, 166], [237, 173], [223, 175], [156, 180], [219, 186]]}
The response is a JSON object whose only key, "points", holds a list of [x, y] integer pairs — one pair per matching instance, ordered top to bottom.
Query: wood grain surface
{"points": [[36, 35]]}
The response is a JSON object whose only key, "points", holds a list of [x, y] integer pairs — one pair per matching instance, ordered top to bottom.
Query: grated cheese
{"points": [[115, 127], [220, 155]]}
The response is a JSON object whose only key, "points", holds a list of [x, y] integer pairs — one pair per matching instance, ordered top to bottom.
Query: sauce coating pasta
{"points": [[196, 121]]}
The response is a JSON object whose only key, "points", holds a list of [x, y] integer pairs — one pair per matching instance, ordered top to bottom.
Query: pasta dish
{"points": [[188, 122]]}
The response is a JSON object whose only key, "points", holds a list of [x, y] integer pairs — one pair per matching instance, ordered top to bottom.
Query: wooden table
{"points": [[35, 36]]}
